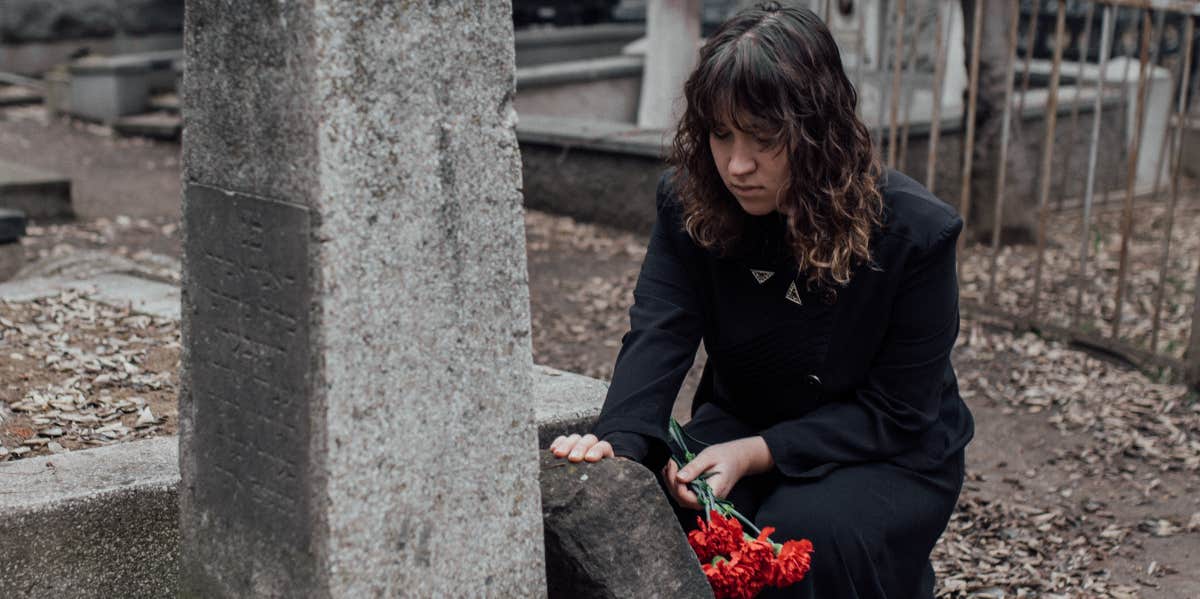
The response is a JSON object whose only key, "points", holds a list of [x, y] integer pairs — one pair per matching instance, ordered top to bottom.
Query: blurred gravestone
{"points": [[354, 413]]}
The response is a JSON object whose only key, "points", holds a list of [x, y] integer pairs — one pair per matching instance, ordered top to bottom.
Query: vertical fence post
{"points": [[1106, 34], [1032, 39], [860, 48], [897, 64], [939, 77], [1181, 115], [1005, 133], [969, 147], [1134, 148], [1048, 153], [1063, 183]]}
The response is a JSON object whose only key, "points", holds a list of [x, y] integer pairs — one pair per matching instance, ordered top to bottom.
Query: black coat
{"points": [[864, 376]]}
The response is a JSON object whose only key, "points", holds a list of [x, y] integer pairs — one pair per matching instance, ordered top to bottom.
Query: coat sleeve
{"points": [[665, 327], [901, 397]]}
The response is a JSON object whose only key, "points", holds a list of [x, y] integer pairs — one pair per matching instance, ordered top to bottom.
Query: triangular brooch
{"points": [[762, 275], [793, 295]]}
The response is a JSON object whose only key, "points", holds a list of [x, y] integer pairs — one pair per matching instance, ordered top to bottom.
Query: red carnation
{"points": [[719, 536], [791, 565], [731, 578]]}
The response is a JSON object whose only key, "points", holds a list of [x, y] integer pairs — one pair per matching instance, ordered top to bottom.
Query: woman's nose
{"points": [[741, 164]]}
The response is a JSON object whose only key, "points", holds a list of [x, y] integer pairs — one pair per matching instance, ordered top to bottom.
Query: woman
{"points": [[824, 290]]}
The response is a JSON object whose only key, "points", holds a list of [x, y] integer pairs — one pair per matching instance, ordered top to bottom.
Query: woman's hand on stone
{"points": [[576, 448], [728, 462]]}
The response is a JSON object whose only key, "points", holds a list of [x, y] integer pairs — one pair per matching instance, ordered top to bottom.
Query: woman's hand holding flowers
{"points": [[729, 462]]}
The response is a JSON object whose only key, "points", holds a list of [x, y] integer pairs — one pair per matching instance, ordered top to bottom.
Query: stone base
{"points": [[35, 58], [103, 93], [158, 125], [37, 193], [12, 257], [105, 522], [97, 523]]}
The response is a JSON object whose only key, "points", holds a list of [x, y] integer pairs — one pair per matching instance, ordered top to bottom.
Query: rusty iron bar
{"points": [[1181, 6], [1060, 28], [1033, 30], [1106, 34], [860, 49], [881, 60], [897, 63], [1178, 76], [939, 77], [907, 94], [1123, 105], [1182, 114], [1005, 135], [969, 146], [1135, 147], [1064, 180], [1191, 357]]}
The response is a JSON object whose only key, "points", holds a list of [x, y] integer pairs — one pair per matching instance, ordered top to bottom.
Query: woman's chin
{"points": [[756, 208]]}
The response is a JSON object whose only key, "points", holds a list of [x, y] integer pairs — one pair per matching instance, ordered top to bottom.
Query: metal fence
{"points": [[1112, 261]]}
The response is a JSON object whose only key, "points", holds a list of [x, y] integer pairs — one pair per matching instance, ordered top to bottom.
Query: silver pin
{"points": [[762, 275], [793, 295]]}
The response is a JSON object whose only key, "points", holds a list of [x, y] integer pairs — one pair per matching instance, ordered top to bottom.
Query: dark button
{"points": [[813, 380]]}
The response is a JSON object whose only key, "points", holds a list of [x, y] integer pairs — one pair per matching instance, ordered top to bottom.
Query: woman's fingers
{"points": [[562, 446], [576, 448], [599, 451], [680, 491]]}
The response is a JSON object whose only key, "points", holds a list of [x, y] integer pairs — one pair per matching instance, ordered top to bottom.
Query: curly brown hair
{"points": [[776, 72]]}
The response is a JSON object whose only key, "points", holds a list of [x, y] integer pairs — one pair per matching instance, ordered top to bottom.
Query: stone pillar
{"points": [[673, 37], [354, 416]]}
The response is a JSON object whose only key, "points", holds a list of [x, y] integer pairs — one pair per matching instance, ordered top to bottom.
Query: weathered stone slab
{"points": [[49, 20], [537, 46], [104, 89], [158, 125], [39, 194], [115, 289], [404, 316], [564, 402], [245, 455], [46, 506], [95, 523], [610, 533]]}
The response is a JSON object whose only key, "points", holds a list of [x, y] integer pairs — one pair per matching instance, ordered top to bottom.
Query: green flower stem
{"points": [[703, 491]]}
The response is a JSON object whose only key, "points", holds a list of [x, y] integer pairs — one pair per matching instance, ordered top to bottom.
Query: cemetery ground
{"points": [[1082, 478]]}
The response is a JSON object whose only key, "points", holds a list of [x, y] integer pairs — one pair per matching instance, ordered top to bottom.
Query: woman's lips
{"points": [[745, 188]]}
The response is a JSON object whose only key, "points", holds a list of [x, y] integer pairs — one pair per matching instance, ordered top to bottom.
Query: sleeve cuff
{"points": [[629, 445], [648, 451]]}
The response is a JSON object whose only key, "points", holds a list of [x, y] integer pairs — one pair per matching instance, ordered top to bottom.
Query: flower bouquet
{"points": [[737, 564]]}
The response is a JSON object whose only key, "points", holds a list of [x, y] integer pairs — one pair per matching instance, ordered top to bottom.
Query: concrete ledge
{"points": [[561, 44], [34, 58], [577, 71], [159, 125], [591, 134], [39, 194], [115, 289], [564, 402], [105, 522], [95, 523]]}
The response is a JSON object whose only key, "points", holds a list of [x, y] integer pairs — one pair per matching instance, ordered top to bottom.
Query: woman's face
{"points": [[753, 169]]}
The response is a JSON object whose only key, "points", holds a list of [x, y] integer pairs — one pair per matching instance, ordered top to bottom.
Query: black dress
{"points": [[852, 391]]}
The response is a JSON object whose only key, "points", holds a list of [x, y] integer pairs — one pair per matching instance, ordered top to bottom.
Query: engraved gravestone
{"points": [[354, 414]]}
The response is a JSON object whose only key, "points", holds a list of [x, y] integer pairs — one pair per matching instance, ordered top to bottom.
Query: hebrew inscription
{"points": [[248, 294]]}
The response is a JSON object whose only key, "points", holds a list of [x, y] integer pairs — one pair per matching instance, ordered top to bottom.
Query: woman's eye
{"points": [[720, 134]]}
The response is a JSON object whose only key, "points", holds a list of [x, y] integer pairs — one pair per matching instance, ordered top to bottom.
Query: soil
{"points": [[1056, 504]]}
